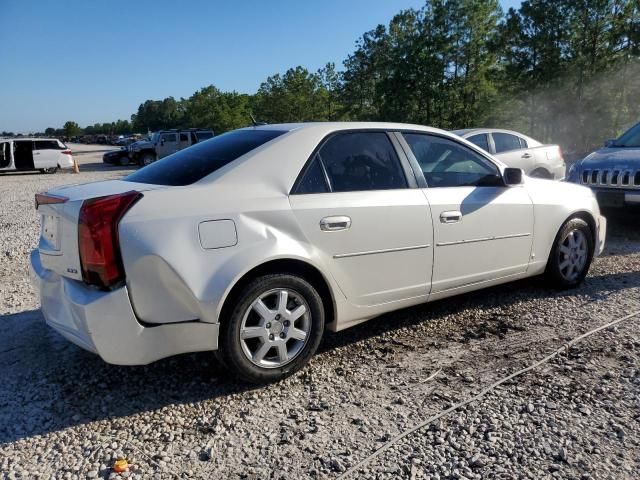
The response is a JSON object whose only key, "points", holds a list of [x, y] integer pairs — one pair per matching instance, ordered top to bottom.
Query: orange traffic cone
{"points": [[76, 168]]}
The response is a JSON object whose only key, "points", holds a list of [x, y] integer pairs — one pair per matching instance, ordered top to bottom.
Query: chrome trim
{"points": [[605, 177], [485, 239], [386, 250]]}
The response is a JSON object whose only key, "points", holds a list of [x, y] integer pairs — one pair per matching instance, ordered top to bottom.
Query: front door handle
{"points": [[526, 155], [450, 217], [334, 224]]}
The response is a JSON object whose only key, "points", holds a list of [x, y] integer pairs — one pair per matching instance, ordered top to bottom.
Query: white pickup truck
{"points": [[519, 151]]}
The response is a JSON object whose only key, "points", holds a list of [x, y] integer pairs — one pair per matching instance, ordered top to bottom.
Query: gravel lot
{"points": [[66, 414]]}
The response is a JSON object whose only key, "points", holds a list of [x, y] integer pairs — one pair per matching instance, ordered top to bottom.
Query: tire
{"points": [[146, 159], [123, 160], [49, 171], [541, 173], [571, 255], [269, 329]]}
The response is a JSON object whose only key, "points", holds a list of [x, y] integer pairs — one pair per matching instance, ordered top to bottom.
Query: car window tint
{"points": [[168, 137], [184, 137], [481, 141], [505, 142], [523, 143], [46, 145], [361, 161], [196, 162], [446, 163], [313, 180]]}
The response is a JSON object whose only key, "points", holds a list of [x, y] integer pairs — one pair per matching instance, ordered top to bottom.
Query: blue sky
{"points": [[96, 61]]}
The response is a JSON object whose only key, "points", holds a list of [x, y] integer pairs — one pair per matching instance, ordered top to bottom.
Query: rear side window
{"points": [[184, 137], [168, 138], [481, 141], [505, 142], [523, 142], [47, 145], [361, 161], [194, 163], [313, 180]]}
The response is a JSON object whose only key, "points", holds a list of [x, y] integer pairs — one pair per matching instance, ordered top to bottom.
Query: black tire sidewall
{"points": [[553, 264], [230, 348]]}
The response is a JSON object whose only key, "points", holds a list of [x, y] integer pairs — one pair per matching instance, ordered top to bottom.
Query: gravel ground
{"points": [[66, 414]]}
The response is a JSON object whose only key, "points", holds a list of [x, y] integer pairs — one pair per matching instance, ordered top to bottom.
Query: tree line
{"points": [[562, 71]]}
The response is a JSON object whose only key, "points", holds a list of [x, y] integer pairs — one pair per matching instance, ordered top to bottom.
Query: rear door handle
{"points": [[526, 155], [450, 217], [334, 224]]}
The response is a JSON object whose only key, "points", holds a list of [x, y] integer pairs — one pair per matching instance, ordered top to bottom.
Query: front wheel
{"points": [[147, 159], [571, 254], [274, 328]]}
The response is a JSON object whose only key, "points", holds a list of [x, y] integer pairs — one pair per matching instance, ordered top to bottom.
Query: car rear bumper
{"points": [[104, 322]]}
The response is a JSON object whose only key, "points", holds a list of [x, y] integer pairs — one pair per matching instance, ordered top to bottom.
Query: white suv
{"points": [[44, 154]]}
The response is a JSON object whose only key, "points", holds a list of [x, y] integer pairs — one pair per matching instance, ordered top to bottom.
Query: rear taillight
{"points": [[66, 152], [48, 199], [98, 243]]}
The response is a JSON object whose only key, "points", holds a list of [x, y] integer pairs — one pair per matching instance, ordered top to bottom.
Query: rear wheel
{"points": [[123, 160], [541, 173], [571, 254], [275, 326]]}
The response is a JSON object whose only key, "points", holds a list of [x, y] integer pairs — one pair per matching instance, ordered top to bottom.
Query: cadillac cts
{"points": [[253, 242]]}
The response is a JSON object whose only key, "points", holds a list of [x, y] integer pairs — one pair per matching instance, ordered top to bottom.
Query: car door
{"points": [[167, 144], [512, 151], [45, 153], [5, 155], [359, 207], [482, 229]]}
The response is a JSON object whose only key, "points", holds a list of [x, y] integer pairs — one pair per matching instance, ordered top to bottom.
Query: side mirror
{"points": [[610, 142], [512, 176]]}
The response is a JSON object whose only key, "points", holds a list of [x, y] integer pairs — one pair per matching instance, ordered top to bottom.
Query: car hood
{"points": [[613, 158]]}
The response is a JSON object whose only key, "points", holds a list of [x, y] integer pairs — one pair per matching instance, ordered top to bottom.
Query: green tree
{"points": [[220, 111], [71, 129]]}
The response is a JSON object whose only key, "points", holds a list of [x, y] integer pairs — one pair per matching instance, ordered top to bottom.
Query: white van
{"points": [[44, 154]]}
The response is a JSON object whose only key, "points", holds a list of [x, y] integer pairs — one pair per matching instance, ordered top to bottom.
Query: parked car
{"points": [[166, 142], [519, 151], [44, 154], [116, 157], [613, 172], [279, 231]]}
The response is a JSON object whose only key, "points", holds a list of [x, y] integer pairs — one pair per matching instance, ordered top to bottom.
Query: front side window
{"points": [[184, 137], [631, 138], [481, 141], [505, 142], [357, 161], [194, 163], [446, 163]]}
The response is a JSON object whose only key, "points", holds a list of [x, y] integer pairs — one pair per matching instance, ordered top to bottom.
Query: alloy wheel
{"points": [[572, 254], [275, 328]]}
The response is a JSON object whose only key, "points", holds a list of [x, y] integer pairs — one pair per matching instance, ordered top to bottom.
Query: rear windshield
{"points": [[194, 163]]}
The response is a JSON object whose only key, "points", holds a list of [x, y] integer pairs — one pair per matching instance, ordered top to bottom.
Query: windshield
{"points": [[154, 137], [631, 138], [194, 163]]}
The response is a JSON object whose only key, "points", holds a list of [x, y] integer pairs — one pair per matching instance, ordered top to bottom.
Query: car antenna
{"points": [[254, 122]]}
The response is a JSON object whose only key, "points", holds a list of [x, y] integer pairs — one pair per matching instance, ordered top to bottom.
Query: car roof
{"points": [[336, 126], [465, 132], [28, 139]]}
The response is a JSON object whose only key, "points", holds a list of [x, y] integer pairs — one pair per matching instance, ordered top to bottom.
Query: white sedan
{"points": [[519, 151], [253, 242]]}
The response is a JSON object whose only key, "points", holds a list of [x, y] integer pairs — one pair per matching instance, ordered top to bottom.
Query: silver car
{"points": [[253, 242]]}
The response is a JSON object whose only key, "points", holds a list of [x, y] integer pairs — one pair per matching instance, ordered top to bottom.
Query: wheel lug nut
{"points": [[278, 317], [286, 323], [268, 325], [282, 335], [271, 337]]}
